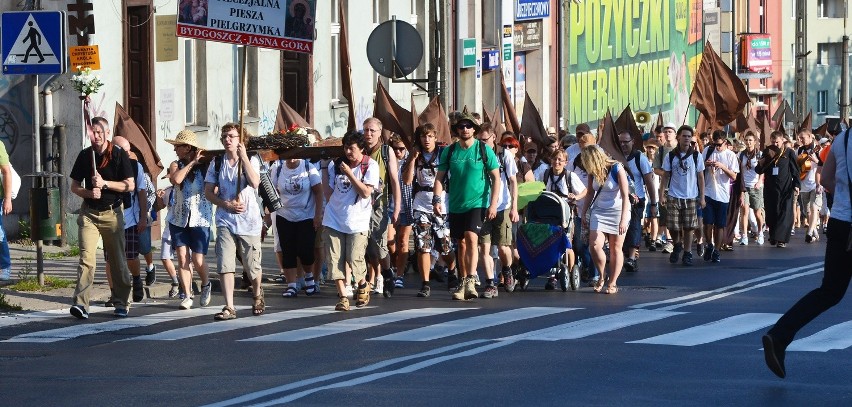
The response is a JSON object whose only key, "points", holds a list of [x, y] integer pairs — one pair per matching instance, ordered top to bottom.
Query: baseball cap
{"points": [[670, 125], [823, 141]]}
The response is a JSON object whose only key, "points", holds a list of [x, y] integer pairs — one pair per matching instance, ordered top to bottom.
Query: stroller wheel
{"points": [[562, 276], [575, 277]]}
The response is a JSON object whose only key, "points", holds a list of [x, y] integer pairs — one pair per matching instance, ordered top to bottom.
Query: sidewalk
{"points": [[24, 265]]}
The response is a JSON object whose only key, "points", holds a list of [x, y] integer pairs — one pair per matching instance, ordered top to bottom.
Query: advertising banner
{"points": [[286, 25], [643, 53], [757, 54]]}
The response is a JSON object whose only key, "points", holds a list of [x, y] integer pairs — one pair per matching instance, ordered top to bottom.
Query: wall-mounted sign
{"points": [[532, 9], [528, 36], [167, 42], [756, 51], [467, 52], [85, 56], [490, 59]]}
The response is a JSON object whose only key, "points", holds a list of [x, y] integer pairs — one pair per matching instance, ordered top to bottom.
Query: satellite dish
{"points": [[399, 36]]}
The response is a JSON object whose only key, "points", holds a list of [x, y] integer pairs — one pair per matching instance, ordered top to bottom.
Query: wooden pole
{"points": [[243, 80]]}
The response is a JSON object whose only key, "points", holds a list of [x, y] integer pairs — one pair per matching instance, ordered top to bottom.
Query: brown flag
{"points": [[346, 68], [717, 92], [784, 113], [435, 114], [393, 116], [287, 117], [510, 117], [486, 118], [659, 119], [626, 122], [806, 123], [531, 124], [740, 124], [125, 126], [822, 130], [765, 133], [608, 138]]}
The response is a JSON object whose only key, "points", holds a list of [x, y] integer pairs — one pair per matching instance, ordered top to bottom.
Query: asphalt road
{"points": [[671, 336]]}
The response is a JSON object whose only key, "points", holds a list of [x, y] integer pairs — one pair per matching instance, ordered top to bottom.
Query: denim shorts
{"points": [[196, 238]]}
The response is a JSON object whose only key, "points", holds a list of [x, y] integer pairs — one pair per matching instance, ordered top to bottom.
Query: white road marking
{"points": [[25, 318], [461, 326], [592, 326], [714, 331], [836, 337]]}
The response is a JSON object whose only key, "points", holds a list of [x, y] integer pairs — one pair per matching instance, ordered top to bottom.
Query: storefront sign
{"points": [[532, 9], [277, 24], [528, 36], [756, 51], [467, 52], [85, 56], [490, 59]]}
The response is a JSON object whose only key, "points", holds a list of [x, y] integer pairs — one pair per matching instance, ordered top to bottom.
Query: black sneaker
{"points": [[699, 249], [676, 252], [708, 252], [715, 257], [687, 259], [630, 265], [150, 276], [509, 282], [387, 283], [551, 283], [138, 291], [424, 292], [79, 311], [120, 312]]}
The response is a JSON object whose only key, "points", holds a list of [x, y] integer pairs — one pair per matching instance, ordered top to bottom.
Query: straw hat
{"points": [[185, 137]]}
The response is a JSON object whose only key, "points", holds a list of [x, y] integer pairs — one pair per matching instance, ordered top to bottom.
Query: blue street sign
{"points": [[33, 42]]}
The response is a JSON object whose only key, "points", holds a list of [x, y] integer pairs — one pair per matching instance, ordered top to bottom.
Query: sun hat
{"points": [[185, 137]]}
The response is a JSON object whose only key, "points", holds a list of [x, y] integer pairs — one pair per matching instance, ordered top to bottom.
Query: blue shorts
{"points": [[716, 213], [196, 238], [145, 241]]}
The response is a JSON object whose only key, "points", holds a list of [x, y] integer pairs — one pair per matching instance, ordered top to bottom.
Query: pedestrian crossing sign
{"points": [[33, 42]]}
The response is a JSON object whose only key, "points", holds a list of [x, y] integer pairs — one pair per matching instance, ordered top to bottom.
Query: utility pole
{"points": [[801, 45], [844, 72]]}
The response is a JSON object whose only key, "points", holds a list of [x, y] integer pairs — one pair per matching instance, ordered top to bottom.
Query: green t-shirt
{"points": [[4, 160], [469, 188]]}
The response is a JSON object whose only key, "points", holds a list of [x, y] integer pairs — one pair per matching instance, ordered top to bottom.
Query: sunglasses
{"points": [[464, 126], [507, 146]]}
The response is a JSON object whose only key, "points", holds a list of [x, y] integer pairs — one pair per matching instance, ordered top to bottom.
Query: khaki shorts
{"points": [[755, 198], [811, 198], [681, 214], [500, 228], [227, 245], [377, 246], [342, 249]]}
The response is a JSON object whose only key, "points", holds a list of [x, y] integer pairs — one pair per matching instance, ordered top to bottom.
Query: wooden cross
{"points": [[81, 25]]}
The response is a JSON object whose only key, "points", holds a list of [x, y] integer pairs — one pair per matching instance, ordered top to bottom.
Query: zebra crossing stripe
{"points": [[25, 318], [352, 325], [460, 326], [592, 326], [215, 327], [82, 329], [714, 331], [836, 337]]}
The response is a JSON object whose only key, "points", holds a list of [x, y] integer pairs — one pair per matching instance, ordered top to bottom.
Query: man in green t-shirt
{"points": [[469, 166], [6, 189]]}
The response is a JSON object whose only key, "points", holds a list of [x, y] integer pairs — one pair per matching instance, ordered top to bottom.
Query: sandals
{"points": [[781, 245], [600, 285], [611, 289], [311, 290], [290, 292], [342, 304], [259, 305], [226, 314]]}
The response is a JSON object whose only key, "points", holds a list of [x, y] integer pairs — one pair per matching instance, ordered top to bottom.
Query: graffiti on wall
{"points": [[15, 117], [267, 121]]}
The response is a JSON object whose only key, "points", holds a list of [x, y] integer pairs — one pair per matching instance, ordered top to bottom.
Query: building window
{"points": [[830, 8], [334, 11], [829, 53], [336, 89], [822, 101]]}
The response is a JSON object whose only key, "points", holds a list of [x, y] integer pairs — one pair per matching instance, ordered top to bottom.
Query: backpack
{"points": [[673, 154], [482, 155], [422, 164], [548, 176], [631, 181]]}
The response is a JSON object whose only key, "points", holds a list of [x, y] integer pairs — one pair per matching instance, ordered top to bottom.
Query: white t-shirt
{"points": [[572, 152], [508, 171], [538, 173], [639, 173], [424, 175], [750, 176], [683, 180], [555, 183], [717, 184], [808, 184], [294, 188], [609, 195], [346, 211], [131, 214], [250, 221]]}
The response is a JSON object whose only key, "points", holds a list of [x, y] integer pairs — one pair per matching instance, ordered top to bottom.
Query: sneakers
{"points": [[760, 238], [744, 240], [668, 247], [699, 249], [708, 252], [675, 253], [715, 257], [687, 259], [630, 265], [6, 274], [150, 276], [476, 280], [452, 282], [509, 282], [398, 283], [551, 283], [380, 286], [470, 288], [138, 291], [174, 291], [424, 292], [490, 292], [349, 293], [458, 293], [205, 294], [363, 296], [110, 303], [186, 303], [342, 304], [79, 311], [120, 313]]}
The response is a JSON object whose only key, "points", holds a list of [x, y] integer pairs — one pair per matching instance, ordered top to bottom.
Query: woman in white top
{"points": [[567, 185], [608, 213], [296, 223]]}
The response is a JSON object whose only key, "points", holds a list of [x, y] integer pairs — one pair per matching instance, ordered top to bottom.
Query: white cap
{"points": [[669, 125], [823, 141]]}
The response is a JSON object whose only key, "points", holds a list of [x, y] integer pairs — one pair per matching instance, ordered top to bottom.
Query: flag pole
{"points": [[243, 80]]}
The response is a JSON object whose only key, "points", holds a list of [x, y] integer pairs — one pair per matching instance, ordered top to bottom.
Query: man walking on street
{"points": [[721, 169], [101, 174], [683, 183]]}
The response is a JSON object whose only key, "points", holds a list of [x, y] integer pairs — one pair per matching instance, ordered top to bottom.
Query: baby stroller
{"points": [[543, 240]]}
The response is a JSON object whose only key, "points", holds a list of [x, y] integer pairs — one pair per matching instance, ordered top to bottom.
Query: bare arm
{"points": [[393, 167], [6, 170]]}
